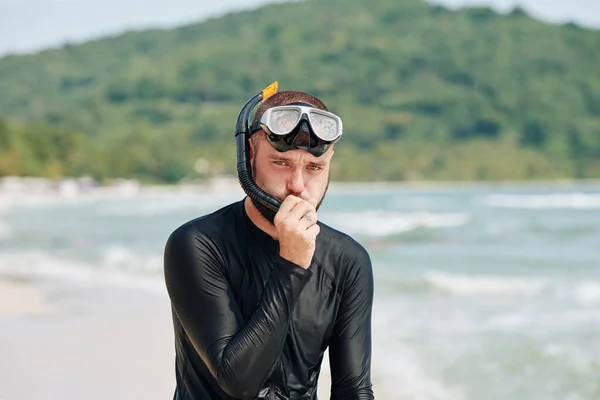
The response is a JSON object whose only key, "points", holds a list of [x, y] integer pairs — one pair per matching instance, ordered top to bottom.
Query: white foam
{"points": [[39, 200], [545, 201], [4, 205], [163, 205], [378, 223], [5, 230], [121, 258], [39, 264], [468, 285], [587, 293], [509, 321], [544, 321], [572, 355], [397, 368], [405, 377]]}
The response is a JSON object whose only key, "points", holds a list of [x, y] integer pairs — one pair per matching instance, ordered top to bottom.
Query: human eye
{"points": [[315, 167]]}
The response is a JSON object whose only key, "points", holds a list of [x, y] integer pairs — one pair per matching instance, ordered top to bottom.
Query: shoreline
{"points": [[123, 184], [40, 191], [68, 337], [62, 339]]}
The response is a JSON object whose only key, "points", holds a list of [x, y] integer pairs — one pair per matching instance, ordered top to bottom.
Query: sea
{"points": [[482, 291]]}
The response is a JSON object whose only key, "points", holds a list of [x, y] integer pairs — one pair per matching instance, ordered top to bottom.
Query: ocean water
{"points": [[483, 292]]}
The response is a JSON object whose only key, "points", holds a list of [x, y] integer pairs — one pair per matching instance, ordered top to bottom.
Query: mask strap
{"points": [[255, 127]]}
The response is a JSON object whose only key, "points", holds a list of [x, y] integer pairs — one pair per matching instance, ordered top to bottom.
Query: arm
{"points": [[350, 347], [239, 354]]}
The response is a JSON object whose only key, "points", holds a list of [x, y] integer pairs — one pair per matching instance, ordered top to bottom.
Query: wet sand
{"points": [[20, 298], [73, 341], [79, 341]]}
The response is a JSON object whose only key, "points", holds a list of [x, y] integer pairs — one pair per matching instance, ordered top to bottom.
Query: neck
{"points": [[258, 220]]}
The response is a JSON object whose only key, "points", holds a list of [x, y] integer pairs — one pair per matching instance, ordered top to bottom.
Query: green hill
{"points": [[424, 92]]}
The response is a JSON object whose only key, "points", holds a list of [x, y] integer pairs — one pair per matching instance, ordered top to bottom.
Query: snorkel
{"points": [[242, 135]]}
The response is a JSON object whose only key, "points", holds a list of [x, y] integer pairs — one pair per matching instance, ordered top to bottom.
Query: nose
{"points": [[295, 183]]}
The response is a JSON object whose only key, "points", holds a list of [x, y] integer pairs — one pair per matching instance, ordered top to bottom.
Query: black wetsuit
{"points": [[250, 324]]}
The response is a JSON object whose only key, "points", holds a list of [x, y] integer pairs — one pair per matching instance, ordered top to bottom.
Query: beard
{"points": [[264, 211]]}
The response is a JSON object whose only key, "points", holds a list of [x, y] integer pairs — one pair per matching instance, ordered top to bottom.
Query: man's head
{"points": [[296, 171]]}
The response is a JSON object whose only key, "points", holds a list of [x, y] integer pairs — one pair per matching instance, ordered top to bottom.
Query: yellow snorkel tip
{"points": [[270, 90]]}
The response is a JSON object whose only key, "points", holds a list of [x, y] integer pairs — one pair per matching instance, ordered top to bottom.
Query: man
{"points": [[256, 303]]}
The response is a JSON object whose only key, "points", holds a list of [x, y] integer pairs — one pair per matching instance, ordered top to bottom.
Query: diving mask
{"points": [[300, 126]]}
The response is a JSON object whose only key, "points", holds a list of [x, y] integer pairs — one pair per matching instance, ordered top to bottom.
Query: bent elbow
{"points": [[238, 385], [240, 392], [359, 392]]}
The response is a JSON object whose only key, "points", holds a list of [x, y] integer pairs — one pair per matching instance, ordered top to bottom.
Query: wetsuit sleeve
{"points": [[350, 346], [240, 354]]}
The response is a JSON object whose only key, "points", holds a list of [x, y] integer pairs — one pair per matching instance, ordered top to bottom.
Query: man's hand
{"points": [[297, 230]]}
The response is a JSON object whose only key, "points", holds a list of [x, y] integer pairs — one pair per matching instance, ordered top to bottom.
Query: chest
{"points": [[315, 310]]}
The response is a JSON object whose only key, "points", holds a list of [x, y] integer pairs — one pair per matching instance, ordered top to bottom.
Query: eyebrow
{"points": [[280, 158]]}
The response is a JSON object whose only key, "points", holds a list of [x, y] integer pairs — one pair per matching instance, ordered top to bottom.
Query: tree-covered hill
{"points": [[424, 92]]}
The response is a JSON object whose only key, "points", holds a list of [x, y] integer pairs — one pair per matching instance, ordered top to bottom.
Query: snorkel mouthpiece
{"points": [[267, 205]]}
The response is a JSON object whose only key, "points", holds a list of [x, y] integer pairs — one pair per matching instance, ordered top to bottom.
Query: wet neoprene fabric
{"points": [[249, 324]]}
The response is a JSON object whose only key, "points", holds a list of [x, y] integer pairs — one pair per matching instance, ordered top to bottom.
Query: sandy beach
{"points": [[20, 298], [61, 340], [67, 341]]}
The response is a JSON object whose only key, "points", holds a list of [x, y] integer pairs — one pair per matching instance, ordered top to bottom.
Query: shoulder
{"points": [[211, 224], [203, 231], [343, 243], [194, 253]]}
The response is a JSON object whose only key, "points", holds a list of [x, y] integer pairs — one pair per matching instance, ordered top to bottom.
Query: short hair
{"points": [[288, 97]]}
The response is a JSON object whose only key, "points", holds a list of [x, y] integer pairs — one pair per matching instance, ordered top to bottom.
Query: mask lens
{"points": [[283, 121], [326, 128]]}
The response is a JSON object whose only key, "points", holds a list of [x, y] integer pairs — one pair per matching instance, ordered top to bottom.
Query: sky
{"points": [[32, 25]]}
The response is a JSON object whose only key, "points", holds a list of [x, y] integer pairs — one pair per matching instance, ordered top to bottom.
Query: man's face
{"points": [[294, 172]]}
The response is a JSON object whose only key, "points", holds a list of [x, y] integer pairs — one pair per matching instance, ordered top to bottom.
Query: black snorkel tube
{"points": [[263, 201]]}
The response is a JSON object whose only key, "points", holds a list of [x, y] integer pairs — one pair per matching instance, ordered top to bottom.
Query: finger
{"points": [[308, 198], [288, 204], [301, 209], [309, 219], [313, 231]]}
